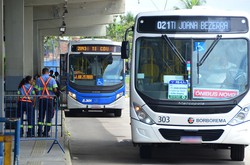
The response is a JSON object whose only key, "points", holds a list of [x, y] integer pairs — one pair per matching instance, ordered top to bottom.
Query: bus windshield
{"points": [[95, 70], [160, 74]]}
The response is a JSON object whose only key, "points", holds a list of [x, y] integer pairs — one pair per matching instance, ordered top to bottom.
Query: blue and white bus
{"points": [[95, 76], [189, 80]]}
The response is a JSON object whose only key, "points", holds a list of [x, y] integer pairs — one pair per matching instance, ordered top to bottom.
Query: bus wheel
{"points": [[118, 112], [145, 151], [237, 152]]}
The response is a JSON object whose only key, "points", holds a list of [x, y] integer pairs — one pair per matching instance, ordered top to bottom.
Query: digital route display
{"points": [[191, 24], [95, 48]]}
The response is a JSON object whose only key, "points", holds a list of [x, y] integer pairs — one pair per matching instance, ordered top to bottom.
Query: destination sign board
{"points": [[201, 24], [95, 48]]}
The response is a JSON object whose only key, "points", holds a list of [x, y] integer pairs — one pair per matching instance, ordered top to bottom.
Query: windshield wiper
{"points": [[209, 50], [177, 53]]}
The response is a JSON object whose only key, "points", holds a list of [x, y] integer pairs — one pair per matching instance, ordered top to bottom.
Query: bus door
{"points": [[63, 77]]}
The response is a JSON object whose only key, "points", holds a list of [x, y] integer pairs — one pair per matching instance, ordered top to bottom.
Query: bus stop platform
{"points": [[46, 152], [36, 153]]}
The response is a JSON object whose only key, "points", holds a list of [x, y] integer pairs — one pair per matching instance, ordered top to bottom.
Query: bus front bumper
{"points": [[143, 133]]}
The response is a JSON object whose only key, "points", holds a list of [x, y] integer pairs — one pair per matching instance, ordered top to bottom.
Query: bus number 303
{"points": [[163, 119]]}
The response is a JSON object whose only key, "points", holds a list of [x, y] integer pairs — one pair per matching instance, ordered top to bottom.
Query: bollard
{"points": [[6, 142], [7, 148], [1, 153]]}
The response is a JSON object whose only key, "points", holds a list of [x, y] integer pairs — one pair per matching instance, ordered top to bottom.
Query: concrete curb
{"points": [[66, 138]]}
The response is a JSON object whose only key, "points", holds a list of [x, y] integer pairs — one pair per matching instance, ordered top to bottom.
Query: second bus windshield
{"points": [[95, 70], [162, 74]]}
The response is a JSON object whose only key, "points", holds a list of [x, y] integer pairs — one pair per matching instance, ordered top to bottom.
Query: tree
{"points": [[190, 3], [116, 30], [50, 44]]}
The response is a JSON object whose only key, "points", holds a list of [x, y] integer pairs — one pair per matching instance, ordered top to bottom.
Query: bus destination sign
{"points": [[200, 24], [94, 48]]}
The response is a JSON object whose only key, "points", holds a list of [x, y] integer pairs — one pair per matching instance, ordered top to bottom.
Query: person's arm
{"points": [[54, 85], [36, 86], [54, 90], [36, 91], [18, 93], [34, 96]]}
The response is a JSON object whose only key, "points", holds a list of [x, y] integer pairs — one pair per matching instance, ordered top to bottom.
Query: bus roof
{"points": [[195, 12], [95, 42]]}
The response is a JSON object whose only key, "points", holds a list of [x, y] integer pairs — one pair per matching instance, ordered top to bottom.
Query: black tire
{"points": [[118, 113], [145, 151], [237, 152]]}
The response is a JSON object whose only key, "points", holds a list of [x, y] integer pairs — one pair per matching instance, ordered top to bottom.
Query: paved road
{"points": [[103, 139]]}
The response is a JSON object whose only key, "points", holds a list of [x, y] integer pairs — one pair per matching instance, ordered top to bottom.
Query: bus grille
{"points": [[175, 135]]}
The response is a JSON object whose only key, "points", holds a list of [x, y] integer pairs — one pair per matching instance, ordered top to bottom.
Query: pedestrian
{"points": [[51, 72], [56, 73], [36, 76], [57, 76], [58, 84], [45, 87], [57, 99], [26, 103]]}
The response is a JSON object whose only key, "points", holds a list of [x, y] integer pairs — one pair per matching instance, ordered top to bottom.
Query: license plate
{"points": [[96, 107], [95, 110], [191, 139]]}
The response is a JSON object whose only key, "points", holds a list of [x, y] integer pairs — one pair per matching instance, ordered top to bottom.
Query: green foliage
{"points": [[190, 3], [116, 30], [49, 43]]}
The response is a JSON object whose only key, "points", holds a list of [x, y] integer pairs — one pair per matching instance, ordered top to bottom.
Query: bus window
{"points": [[156, 61], [87, 69], [223, 69]]}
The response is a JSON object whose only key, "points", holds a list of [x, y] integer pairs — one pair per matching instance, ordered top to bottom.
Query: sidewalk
{"points": [[35, 152]]}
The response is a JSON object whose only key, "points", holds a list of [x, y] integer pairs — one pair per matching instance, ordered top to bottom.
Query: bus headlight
{"points": [[72, 95], [119, 95], [142, 115], [240, 117]]}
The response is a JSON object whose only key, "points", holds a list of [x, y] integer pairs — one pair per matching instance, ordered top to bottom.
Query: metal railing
{"points": [[39, 116]]}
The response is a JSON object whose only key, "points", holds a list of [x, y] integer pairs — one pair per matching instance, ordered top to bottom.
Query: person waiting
{"points": [[45, 87], [26, 102]]}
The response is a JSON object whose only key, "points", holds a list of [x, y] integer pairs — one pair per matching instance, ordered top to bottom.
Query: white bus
{"points": [[190, 80]]}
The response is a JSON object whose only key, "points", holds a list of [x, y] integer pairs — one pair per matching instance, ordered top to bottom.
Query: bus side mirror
{"points": [[125, 50]]}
